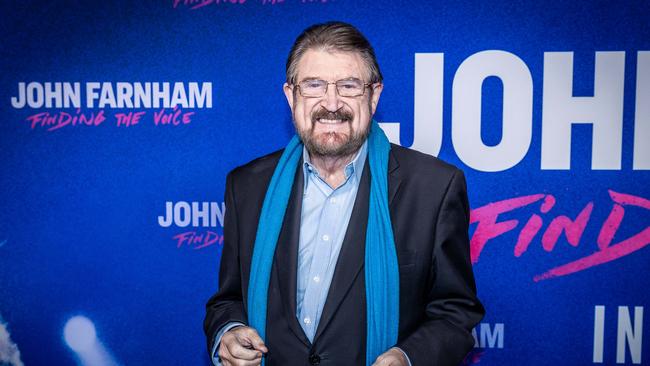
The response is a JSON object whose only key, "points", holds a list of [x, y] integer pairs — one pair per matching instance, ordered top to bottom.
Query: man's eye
{"points": [[313, 84], [349, 86]]}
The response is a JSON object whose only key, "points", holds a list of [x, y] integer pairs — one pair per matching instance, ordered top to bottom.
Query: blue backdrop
{"points": [[545, 106]]}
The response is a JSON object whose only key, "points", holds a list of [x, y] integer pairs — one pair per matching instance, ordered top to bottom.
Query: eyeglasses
{"points": [[314, 88]]}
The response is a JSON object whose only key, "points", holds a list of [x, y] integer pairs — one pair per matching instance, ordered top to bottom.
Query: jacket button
{"points": [[314, 359]]}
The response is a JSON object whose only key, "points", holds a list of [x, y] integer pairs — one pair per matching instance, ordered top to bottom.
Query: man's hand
{"points": [[241, 346], [392, 357]]}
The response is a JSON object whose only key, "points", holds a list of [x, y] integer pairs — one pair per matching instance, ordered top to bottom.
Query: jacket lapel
{"points": [[394, 180], [286, 255]]}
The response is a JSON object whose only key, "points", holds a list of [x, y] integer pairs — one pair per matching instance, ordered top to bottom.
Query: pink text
{"points": [[173, 117], [62, 119], [489, 228], [198, 240]]}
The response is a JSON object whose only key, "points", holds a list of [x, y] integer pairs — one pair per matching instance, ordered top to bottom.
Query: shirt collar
{"points": [[354, 167]]}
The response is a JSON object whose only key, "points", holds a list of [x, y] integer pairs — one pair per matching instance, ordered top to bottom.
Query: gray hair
{"points": [[333, 36]]}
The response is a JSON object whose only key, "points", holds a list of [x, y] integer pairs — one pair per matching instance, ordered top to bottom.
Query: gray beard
{"points": [[352, 145]]}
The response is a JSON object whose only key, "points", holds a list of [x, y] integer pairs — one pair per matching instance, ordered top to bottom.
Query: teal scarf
{"points": [[381, 269]]}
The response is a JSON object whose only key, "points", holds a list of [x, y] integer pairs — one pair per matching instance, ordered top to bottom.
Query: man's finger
{"points": [[255, 341], [258, 344], [240, 351], [224, 355], [385, 360], [378, 361], [240, 362], [249, 363]]}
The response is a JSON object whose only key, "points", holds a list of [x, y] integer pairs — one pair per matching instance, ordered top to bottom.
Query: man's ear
{"points": [[288, 93], [376, 93]]}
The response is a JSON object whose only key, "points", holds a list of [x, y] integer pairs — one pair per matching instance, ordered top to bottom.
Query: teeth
{"points": [[330, 121]]}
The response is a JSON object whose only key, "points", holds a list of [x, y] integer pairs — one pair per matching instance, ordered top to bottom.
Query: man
{"points": [[342, 249]]}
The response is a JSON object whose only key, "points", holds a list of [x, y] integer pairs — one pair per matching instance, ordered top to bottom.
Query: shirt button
{"points": [[332, 200], [326, 237], [317, 279], [307, 320]]}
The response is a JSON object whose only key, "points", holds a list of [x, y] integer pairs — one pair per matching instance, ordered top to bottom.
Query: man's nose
{"points": [[331, 99]]}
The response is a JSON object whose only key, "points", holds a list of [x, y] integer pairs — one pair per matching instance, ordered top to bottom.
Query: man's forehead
{"points": [[331, 65]]}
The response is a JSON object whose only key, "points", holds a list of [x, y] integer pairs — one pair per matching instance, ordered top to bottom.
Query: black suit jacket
{"points": [[430, 217]]}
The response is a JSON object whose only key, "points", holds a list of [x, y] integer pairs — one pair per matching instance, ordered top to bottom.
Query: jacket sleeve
{"points": [[227, 304], [452, 309]]}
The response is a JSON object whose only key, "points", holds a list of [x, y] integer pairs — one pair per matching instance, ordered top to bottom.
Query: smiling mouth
{"points": [[325, 117], [331, 121]]}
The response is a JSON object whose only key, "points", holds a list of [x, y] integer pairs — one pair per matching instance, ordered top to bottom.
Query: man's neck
{"points": [[332, 168]]}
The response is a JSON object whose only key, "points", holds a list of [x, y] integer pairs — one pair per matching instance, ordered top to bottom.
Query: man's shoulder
{"points": [[423, 165], [257, 168]]}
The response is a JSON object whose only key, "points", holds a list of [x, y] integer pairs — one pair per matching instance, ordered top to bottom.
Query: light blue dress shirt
{"points": [[324, 220]]}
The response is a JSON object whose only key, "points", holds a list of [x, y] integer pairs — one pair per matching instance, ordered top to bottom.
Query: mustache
{"points": [[341, 114]]}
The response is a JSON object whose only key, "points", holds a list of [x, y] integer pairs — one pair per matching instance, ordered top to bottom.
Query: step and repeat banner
{"points": [[120, 120]]}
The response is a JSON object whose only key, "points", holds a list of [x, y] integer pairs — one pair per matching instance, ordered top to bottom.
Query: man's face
{"points": [[332, 125]]}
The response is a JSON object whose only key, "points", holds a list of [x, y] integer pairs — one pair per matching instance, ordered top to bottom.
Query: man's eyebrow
{"points": [[310, 78], [351, 78]]}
